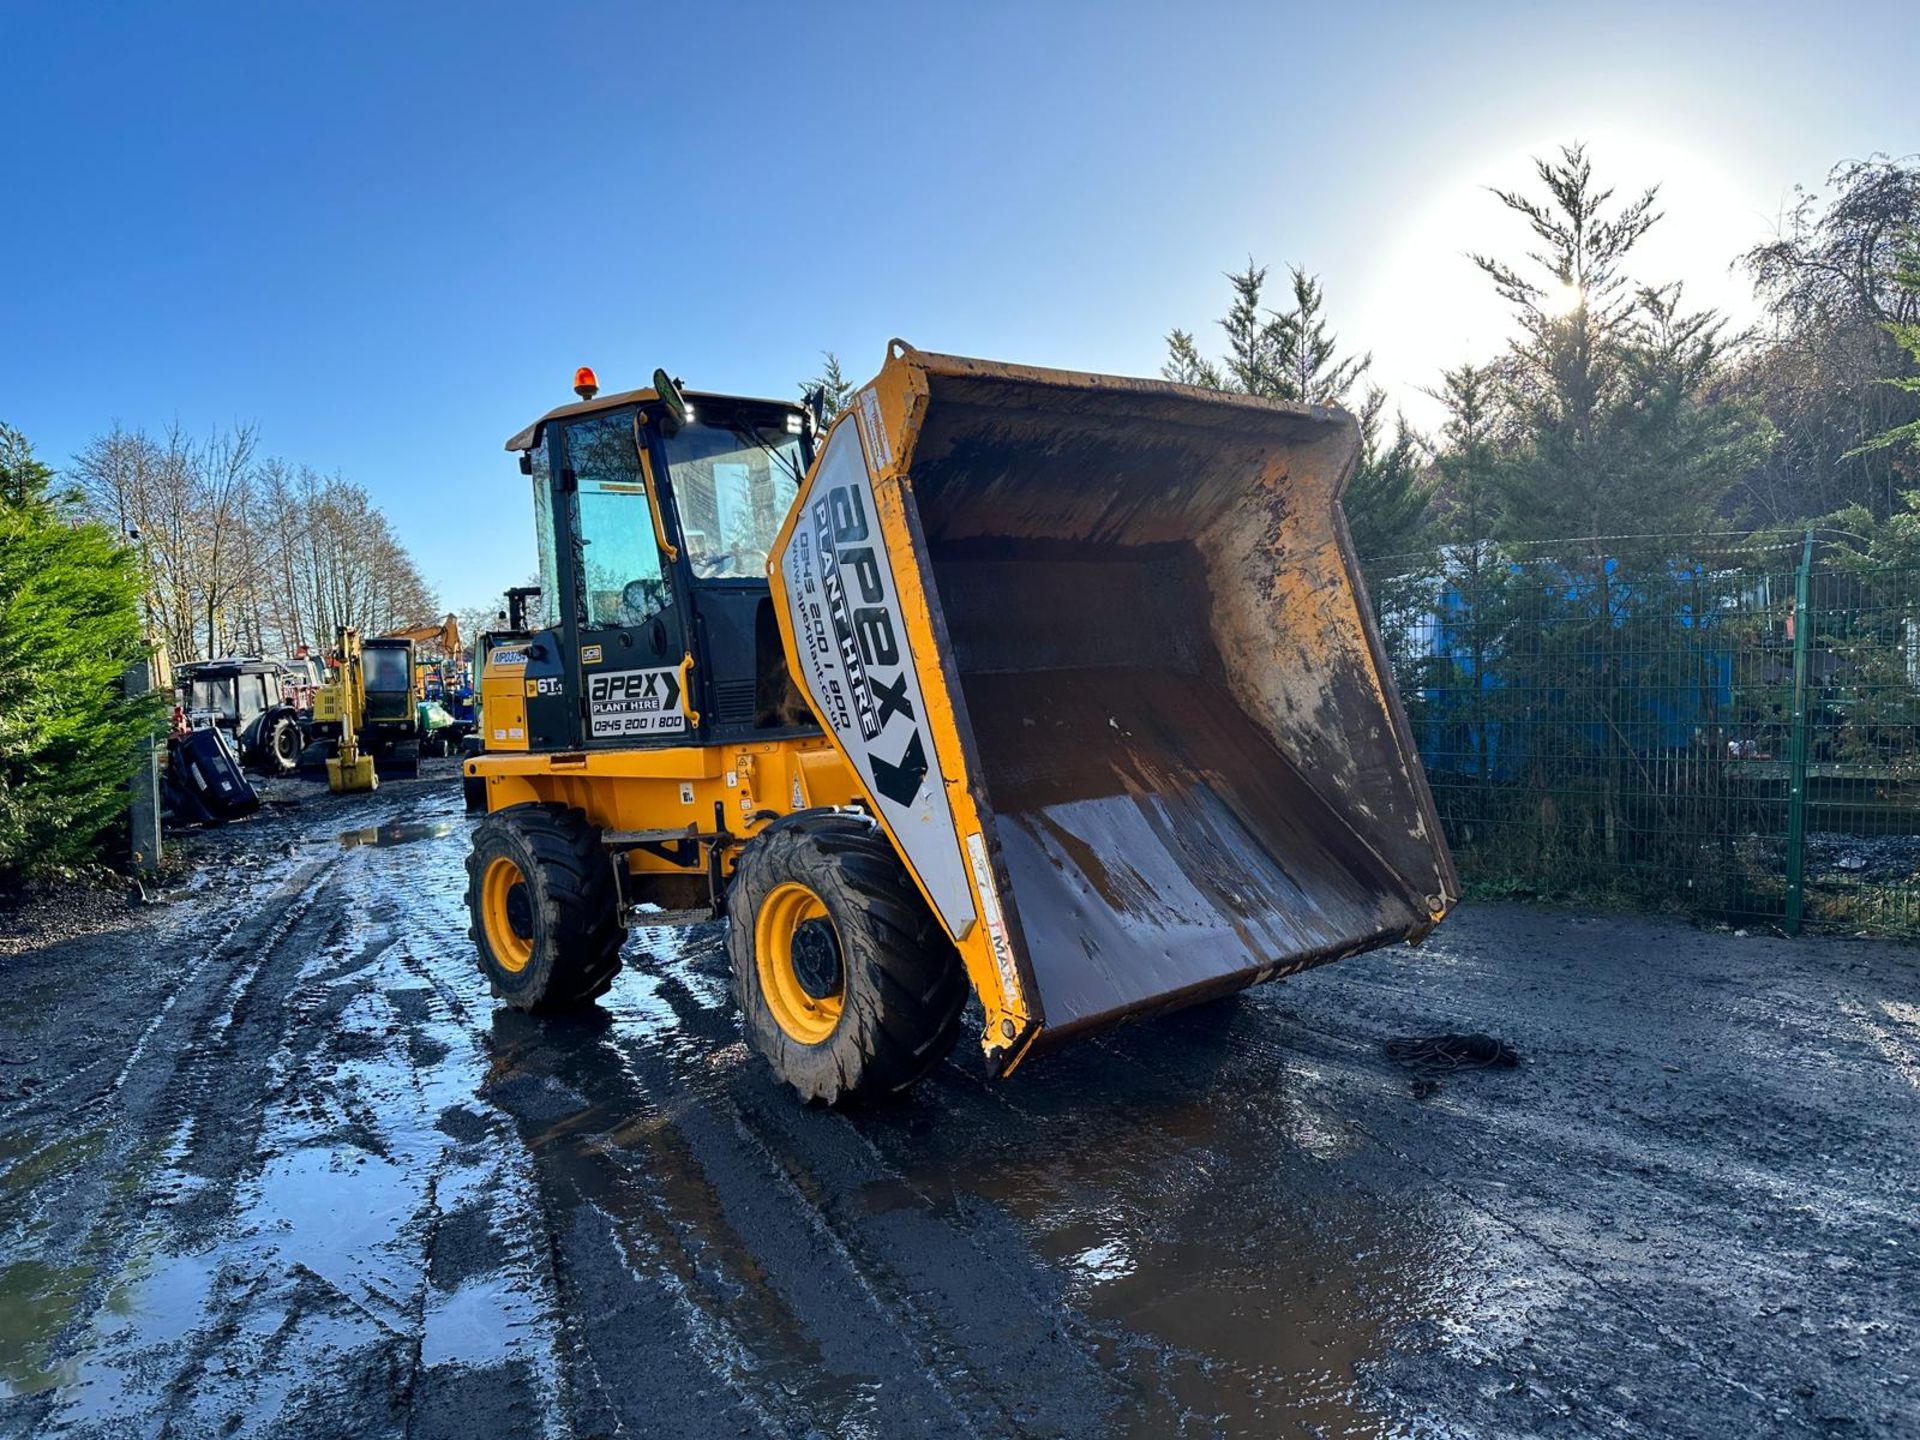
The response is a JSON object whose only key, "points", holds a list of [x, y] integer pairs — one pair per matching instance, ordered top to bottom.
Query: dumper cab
{"points": [[654, 521], [1058, 689]]}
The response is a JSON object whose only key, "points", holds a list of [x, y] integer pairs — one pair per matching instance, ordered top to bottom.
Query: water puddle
{"points": [[398, 833], [27, 1167], [1242, 1250], [37, 1302]]}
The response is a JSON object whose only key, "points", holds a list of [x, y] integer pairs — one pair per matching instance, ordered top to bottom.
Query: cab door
{"points": [[630, 661]]}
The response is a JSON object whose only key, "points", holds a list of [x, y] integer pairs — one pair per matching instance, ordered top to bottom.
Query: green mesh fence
{"points": [[1727, 728]]}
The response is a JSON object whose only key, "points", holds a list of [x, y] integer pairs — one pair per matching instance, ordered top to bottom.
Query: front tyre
{"points": [[545, 912], [848, 987]]}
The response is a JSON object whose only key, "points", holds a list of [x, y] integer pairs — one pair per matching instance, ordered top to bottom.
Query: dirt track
{"points": [[273, 1164]]}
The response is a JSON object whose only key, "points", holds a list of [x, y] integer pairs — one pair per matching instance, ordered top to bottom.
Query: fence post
{"points": [[1797, 753], [143, 809]]}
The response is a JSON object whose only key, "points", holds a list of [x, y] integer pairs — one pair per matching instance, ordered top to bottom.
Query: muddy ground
{"points": [[274, 1165]]}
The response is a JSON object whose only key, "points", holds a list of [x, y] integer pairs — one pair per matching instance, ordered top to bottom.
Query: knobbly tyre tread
{"points": [[278, 758], [577, 931], [905, 986]]}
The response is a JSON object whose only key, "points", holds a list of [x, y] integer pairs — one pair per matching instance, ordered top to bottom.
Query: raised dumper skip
{"points": [[1058, 688]]}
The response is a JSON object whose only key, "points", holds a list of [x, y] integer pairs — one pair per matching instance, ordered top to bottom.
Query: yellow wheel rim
{"points": [[506, 908], [796, 952]]}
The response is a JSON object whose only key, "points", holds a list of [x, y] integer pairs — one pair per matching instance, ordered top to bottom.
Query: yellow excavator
{"points": [[441, 640], [1060, 690], [365, 712], [348, 769]]}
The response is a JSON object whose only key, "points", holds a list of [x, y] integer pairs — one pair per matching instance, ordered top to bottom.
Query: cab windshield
{"points": [[733, 485], [385, 670], [216, 695]]}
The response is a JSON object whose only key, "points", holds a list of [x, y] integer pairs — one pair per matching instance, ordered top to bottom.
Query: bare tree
{"points": [[1831, 283], [244, 554]]}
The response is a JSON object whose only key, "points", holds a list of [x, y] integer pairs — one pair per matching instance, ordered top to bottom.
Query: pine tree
{"points": [[1907, 337], [1275, 354], [1292, 355], [1310, 363], [1187, 366], [1610, 386], [833, 387], [1622, 449], [25, 483], [1388, 497], [1466, 498]]}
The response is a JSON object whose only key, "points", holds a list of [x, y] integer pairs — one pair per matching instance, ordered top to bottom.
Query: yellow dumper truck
{"points": [[1057, 689]]}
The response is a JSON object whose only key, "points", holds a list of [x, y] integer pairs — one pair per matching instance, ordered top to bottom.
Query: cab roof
{"points": [[530, 437], [220, 664]]}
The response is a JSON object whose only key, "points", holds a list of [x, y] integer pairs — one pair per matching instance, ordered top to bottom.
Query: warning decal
{"points": [[635, 702]]}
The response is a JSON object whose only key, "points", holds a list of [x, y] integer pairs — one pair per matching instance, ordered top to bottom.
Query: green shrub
{"points": [[69, 627]]}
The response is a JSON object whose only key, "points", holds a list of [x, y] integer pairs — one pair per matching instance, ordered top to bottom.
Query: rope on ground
{"points": [[1432, 1057]]}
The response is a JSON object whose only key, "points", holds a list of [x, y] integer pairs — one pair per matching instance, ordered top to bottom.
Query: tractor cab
{"points": [[655, 511], [251, 700]]}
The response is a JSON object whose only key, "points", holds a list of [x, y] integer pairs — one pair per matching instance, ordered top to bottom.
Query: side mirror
{"points": [[671, 398], [816, 402]]}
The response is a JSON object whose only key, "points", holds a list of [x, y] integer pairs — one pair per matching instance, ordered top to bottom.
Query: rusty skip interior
{"points": [[1172, 687]]}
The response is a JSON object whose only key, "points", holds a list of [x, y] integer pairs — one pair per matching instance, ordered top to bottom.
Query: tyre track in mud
{"points": [[242, 1058], [702, 1165], [342, 1192], [729, 1203], [85, 1217], [630, 1291]]}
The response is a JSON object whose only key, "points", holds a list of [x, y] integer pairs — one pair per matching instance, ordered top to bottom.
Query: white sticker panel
{"points": [[856, 665], [635, 702]]}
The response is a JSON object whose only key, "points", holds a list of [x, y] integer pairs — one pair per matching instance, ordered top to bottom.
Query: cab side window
{"points": [[622, 582]]}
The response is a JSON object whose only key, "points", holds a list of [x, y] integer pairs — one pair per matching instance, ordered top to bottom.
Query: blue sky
{"points": [[387, 233]]}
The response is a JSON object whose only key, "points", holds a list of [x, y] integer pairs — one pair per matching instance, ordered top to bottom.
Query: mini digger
{"points": [[1060, 690], [364, 715]]}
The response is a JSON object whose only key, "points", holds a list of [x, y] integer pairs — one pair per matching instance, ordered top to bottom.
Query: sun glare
{"points": [[1712, 210], [1564, 298]]}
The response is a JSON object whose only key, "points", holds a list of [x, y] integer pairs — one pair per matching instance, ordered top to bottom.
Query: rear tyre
{"points": [[280, 750], [545, 913], [848, 987]]}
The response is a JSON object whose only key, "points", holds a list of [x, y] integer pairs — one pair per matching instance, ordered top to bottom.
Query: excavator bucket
{"points": [[1098, 652]]}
